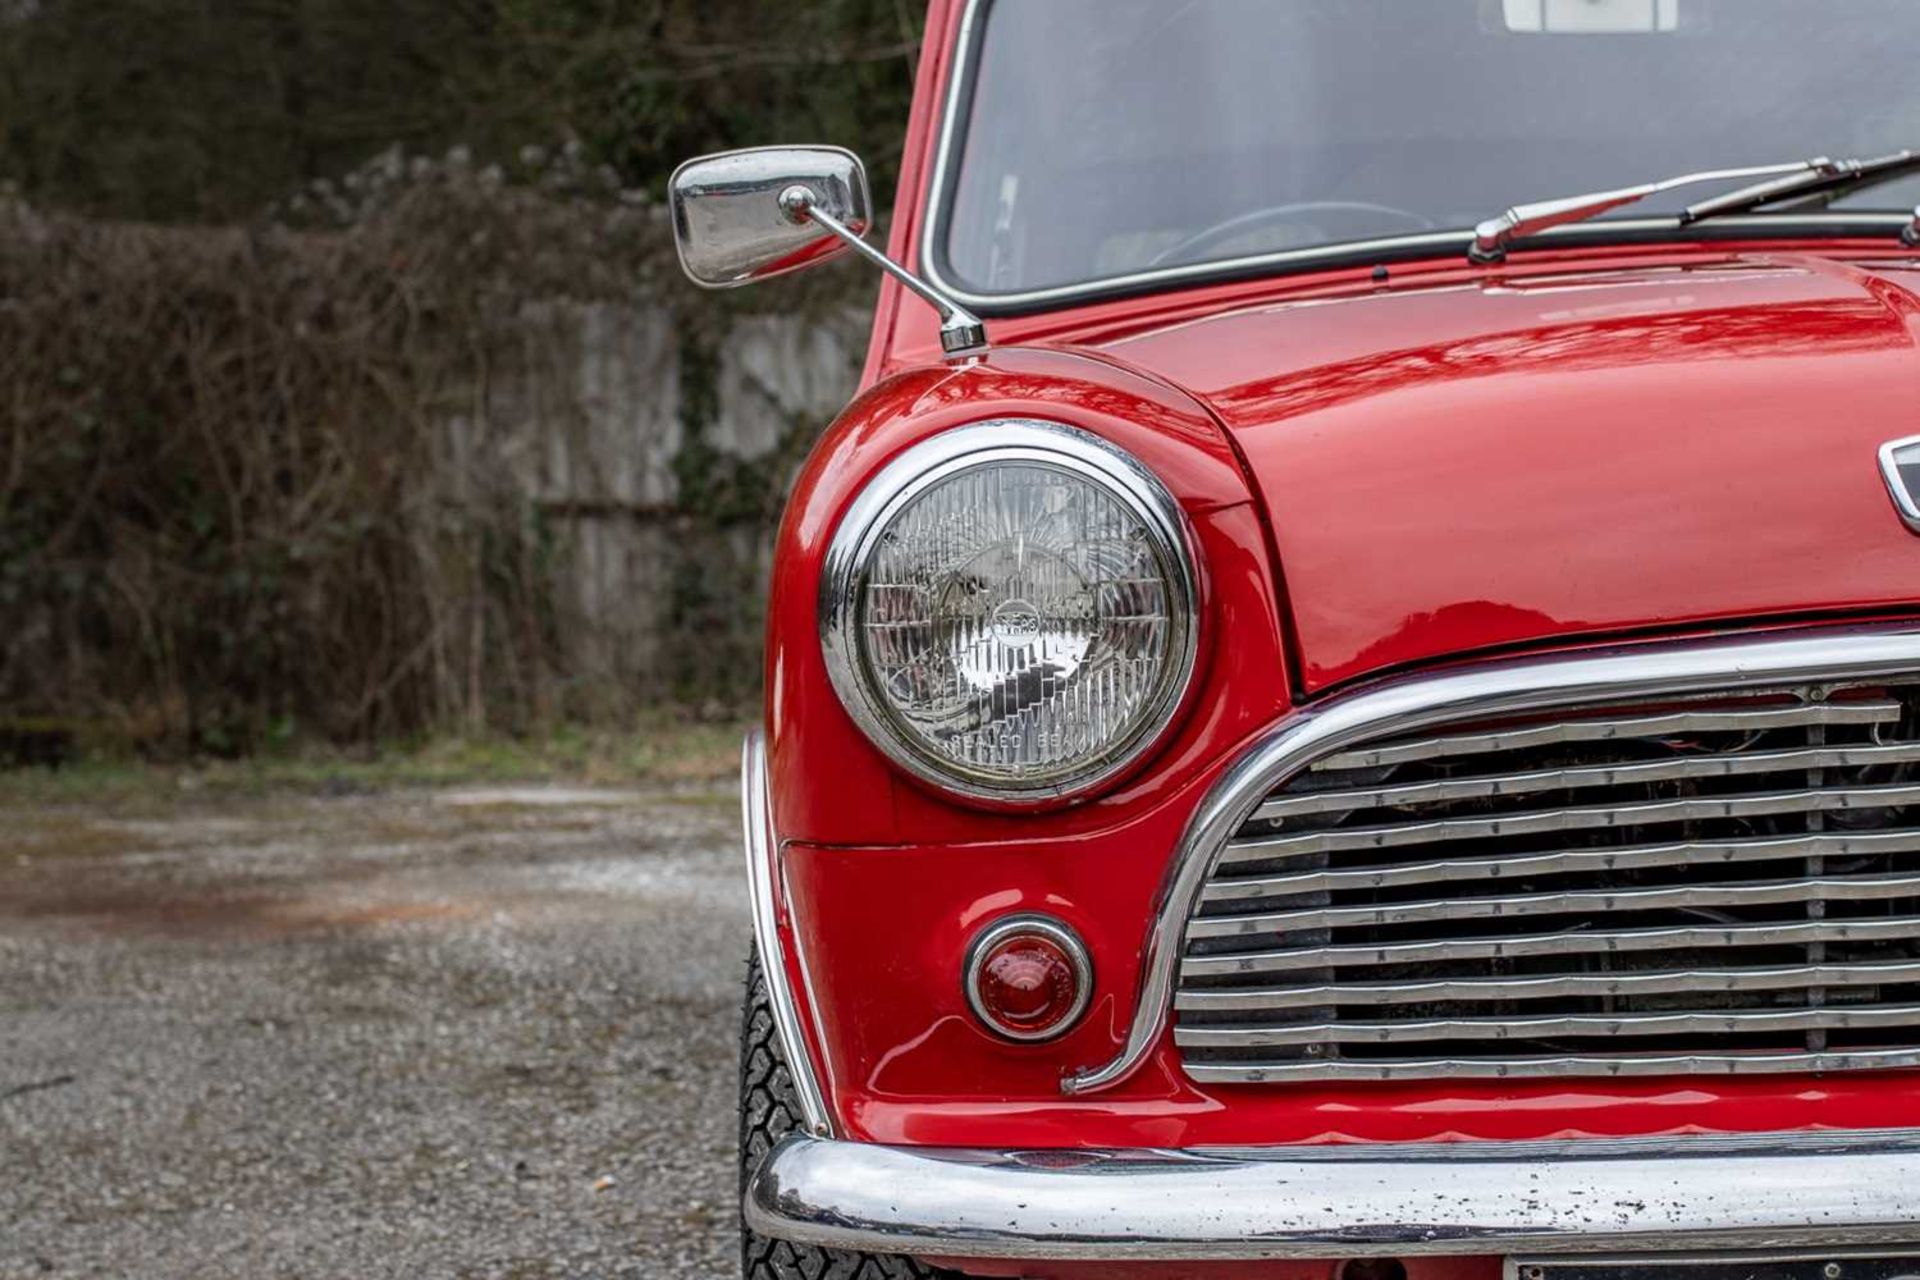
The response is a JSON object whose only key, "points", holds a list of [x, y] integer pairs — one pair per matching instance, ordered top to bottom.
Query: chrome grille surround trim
{"points": [[1418, 703], [1812, 1189]]}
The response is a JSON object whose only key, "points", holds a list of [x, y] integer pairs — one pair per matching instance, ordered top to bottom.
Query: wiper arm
{"points": [[1831, 175], [1491, 238]]}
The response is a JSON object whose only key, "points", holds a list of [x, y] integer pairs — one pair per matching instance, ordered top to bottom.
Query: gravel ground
{"points": [[466, 1034]]}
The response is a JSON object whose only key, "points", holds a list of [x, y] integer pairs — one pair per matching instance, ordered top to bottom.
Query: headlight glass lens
{"points": [[1022, 618]]}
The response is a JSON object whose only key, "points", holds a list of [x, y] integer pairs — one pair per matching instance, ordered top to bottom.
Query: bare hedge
{"points": [[230, 504]]}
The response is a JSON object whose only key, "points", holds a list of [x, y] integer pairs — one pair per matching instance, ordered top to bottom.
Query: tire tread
{"points": [[769, 1111]]}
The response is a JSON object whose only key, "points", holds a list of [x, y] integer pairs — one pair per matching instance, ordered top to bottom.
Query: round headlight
{"points": [[1008, 610]]}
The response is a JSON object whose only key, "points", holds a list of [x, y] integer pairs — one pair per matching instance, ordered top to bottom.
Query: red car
{"points": [[1316, 728]]}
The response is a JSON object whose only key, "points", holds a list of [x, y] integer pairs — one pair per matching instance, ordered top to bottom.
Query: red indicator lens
{"points": [[1027, 984]]}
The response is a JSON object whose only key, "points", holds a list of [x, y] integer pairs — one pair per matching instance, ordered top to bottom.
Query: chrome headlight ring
{"points": [[1011, 673]]}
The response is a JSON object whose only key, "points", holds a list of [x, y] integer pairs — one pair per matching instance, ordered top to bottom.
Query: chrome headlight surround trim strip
{"points": [[1005, 440], [1410, 704], [763, 884], [1805, 1189]]}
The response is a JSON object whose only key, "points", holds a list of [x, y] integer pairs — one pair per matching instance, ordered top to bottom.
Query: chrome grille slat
{"points": [[1601, 730], [1709, 766], [1571, 819], [1560, 861], [1709, 882], [1693, 896], [1584, 943], [1589, 985], [1579, 1025], [1521, 1068]]}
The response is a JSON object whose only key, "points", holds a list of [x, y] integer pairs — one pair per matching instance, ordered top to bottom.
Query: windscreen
{"points": [[1102, 138]]}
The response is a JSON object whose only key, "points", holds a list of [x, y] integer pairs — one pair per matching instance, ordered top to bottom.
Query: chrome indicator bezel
{"points": [[1053, 931]]}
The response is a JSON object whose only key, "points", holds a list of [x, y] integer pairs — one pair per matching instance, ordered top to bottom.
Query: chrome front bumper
{"points": [[1595, 1196]]}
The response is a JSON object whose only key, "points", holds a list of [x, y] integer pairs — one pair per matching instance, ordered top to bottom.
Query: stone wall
{"points": [[660, 463]]}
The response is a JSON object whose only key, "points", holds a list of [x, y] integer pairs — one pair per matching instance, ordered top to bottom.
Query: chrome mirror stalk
{"points": [[1910, 234], [961, 333]]}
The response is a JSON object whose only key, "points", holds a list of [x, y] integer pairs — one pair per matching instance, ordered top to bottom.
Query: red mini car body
{"points": [[1516, 861]]}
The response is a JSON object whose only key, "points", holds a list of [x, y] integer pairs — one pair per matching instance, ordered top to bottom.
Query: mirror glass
{"points": [[727, 219]]}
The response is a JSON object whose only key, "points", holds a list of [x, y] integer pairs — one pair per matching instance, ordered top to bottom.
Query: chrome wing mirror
{"points": [[745, 216]]}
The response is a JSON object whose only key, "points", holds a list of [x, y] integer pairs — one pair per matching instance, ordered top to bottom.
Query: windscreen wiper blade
{"points": [[1831, 175], [1492, 237]]}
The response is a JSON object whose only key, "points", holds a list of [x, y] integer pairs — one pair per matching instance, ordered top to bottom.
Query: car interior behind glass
{"points": [[1163, 122]]}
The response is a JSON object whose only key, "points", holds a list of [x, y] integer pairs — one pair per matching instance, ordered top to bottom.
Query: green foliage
{"points": [[184, 110]]}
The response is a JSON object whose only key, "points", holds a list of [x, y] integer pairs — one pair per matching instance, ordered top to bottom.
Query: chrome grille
{"points": [[1718, 884]]}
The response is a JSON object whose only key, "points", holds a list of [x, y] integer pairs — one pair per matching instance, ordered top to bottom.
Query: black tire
{"points": [[769, 1111]]}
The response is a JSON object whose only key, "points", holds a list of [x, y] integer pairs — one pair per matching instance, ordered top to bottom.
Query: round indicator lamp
{"points": [[1028, 978]]}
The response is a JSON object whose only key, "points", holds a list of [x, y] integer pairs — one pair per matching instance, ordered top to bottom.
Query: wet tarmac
{"points": [[463, 1034]]}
